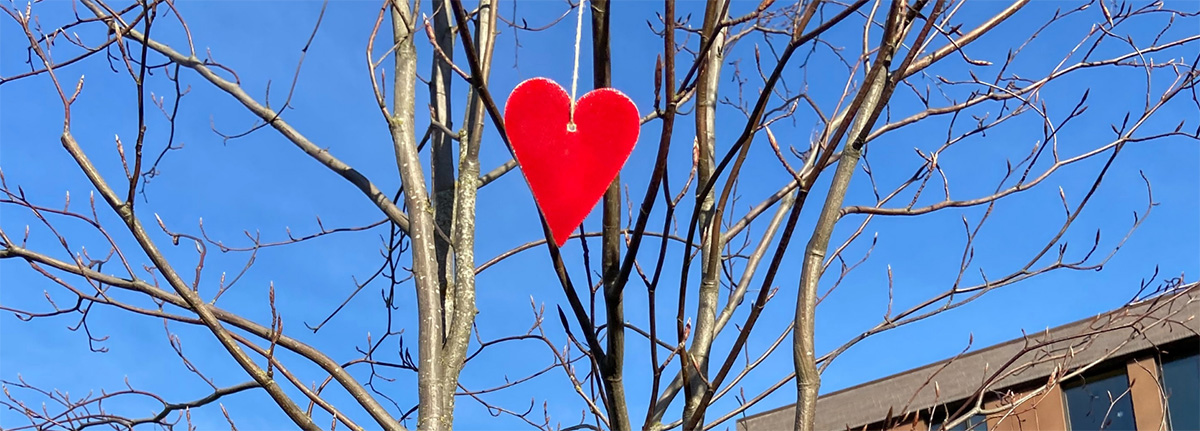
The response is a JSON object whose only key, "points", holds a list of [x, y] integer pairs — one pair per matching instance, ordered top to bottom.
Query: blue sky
{"points": [[262, 183]]}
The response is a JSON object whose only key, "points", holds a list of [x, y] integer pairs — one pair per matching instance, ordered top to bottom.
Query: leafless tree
{"points": [[909, 72]]}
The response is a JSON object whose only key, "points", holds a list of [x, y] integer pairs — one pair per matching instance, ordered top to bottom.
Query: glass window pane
{"points": [[1181, 385], [1100, 403], [974, 423]]}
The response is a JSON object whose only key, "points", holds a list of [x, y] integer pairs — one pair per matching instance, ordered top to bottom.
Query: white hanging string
{"points": [[575, 71]]}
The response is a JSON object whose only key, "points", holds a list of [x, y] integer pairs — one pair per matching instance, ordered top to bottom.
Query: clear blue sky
{"points": [[262, 183]]}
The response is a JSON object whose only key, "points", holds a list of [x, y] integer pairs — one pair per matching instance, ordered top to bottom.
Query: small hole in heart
{"points": [[571, 126]]}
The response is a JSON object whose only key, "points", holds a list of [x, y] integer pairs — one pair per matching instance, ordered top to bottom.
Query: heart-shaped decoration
{"points": [[568, 170]]}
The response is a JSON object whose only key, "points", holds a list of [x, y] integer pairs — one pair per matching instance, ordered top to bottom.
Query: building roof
{"points": [[1138, 326]]}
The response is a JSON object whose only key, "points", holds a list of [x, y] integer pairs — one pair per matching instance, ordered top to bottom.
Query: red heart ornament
{"points": [[568, 170]]}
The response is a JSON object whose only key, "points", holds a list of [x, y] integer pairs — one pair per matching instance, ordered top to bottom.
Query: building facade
{"points": [[1136, 368]]}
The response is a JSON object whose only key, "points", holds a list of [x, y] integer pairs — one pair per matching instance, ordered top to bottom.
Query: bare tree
{"points": [[820, 83]]}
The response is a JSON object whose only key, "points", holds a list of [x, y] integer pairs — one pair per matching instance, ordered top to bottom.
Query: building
{"points": [[1134, 368]]}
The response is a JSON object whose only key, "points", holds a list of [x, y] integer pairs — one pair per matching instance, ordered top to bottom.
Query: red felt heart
{"points": [[569, 170]]}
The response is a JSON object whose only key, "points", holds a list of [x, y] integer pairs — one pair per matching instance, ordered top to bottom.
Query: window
{"points": [[1181, 385], [1100, 402], [973, 423]]}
